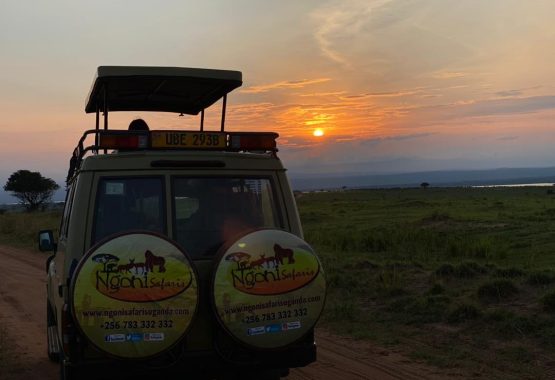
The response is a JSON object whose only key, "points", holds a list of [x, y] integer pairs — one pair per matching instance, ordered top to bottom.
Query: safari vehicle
{"points": [[178, 250]]}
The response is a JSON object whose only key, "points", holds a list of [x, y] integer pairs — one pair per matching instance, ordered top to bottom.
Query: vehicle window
{"points": [[128, 204], [67, 209], [209, 211]]}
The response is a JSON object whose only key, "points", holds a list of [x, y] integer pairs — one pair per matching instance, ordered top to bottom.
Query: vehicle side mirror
{"points": [[46, 241]]}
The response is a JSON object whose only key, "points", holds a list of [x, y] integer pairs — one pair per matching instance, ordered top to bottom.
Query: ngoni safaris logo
{"points": [[267, 272], [139, 277], [268, 288], [134, 295]]}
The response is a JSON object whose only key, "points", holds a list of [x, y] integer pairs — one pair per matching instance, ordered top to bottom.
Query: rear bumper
{"points": [[198, 363]]}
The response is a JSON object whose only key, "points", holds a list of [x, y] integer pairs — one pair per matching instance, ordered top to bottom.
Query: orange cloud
{"points": [[449, 75], [283, 84], [319, 94], [391, 94]]}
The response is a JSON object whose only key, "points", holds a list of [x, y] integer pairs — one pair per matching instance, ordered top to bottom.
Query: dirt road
{"points": [[22, 316]]}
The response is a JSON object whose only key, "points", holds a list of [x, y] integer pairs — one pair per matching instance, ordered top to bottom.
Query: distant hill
{"points": [[434, 178], [313, 181], [6, 198]]}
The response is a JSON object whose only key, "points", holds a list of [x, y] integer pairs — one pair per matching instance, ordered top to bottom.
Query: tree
{"points": [[424, 185], [31, 188]]}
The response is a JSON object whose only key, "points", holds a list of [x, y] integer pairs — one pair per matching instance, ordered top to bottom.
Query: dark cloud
{"points": [[283, 85], [509, 93], [390, 94], [510, 106], [494, 107], [411, 136], [507, 138]]}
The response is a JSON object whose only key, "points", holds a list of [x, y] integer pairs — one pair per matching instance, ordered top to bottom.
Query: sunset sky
{"points": [[393, 85]]}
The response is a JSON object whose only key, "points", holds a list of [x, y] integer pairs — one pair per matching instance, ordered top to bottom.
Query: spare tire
{"points": [[268, 289], [134, 295]]}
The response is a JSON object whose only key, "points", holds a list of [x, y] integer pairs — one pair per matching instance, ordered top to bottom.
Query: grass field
{"points": [[21, 229], [462, 278], [5, 359]]}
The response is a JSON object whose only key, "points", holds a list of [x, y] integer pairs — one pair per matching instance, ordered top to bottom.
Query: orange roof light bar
{"points": [[174, 139], [118, 140], [125, 140], [255, 141]]}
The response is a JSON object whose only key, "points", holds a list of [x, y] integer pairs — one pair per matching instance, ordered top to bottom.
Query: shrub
{"points": [[437, 216], [469, 269], [445, 270], [509, 272], [540, 278], [388, 279], [436, 289], [497, 290], [548, 301], [400, 304], [427, 309], [347, 310], [463, 312], [499, 315], [508, 324], [519, 325], [547, 335], [518, 354]]}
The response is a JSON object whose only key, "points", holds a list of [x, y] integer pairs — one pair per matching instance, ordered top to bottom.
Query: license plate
{"points": [[190, 140]]}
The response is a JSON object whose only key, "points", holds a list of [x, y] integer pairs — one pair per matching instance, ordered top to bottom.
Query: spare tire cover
{"points": [[268, 289], [134, 295]]}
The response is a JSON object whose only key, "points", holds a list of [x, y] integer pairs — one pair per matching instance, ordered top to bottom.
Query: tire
{"points": [[51, 333], [67, 373], [258, 375], [273, 375]]}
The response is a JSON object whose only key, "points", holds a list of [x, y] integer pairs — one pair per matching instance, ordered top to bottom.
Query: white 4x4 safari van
{"points": [[178, 250]]}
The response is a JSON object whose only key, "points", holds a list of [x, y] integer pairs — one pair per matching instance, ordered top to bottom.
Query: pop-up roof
{"points": [[162, 89]]}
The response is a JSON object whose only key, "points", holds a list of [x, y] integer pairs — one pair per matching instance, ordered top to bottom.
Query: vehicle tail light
{"points": [[123, 141], [253, 141], [68, 330]]}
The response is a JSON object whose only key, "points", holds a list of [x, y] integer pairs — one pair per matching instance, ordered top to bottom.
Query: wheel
{"points": [[52, 344], [67, 372], [258, 375]]}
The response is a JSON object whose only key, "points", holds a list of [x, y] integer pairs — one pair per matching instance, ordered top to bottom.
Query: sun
{"points": [[318, 132]]}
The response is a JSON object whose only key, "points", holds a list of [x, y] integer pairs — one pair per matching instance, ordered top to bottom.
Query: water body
{"points": [[543, 184]]}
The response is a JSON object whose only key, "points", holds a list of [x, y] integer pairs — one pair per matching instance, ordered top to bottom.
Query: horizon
{"points": [[355, 86], [508, 177]]}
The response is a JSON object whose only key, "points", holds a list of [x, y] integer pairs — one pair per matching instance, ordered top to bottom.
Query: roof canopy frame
{"points": [[160, 89]]}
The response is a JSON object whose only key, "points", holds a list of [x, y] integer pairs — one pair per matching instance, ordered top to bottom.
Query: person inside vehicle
{"points": [[138, 125], [217, 218]]}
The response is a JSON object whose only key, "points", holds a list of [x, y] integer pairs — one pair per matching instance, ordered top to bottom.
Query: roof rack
{"points": [[164, 89], [176, 140]]}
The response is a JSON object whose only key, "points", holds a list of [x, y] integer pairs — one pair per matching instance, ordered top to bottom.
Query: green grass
{"points": [[21, 229], [461, 278], [497, 290], [548, 301], [6, 355]]}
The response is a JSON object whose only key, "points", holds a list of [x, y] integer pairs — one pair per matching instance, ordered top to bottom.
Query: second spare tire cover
{"points": [[268, 289], [134, 295]]}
